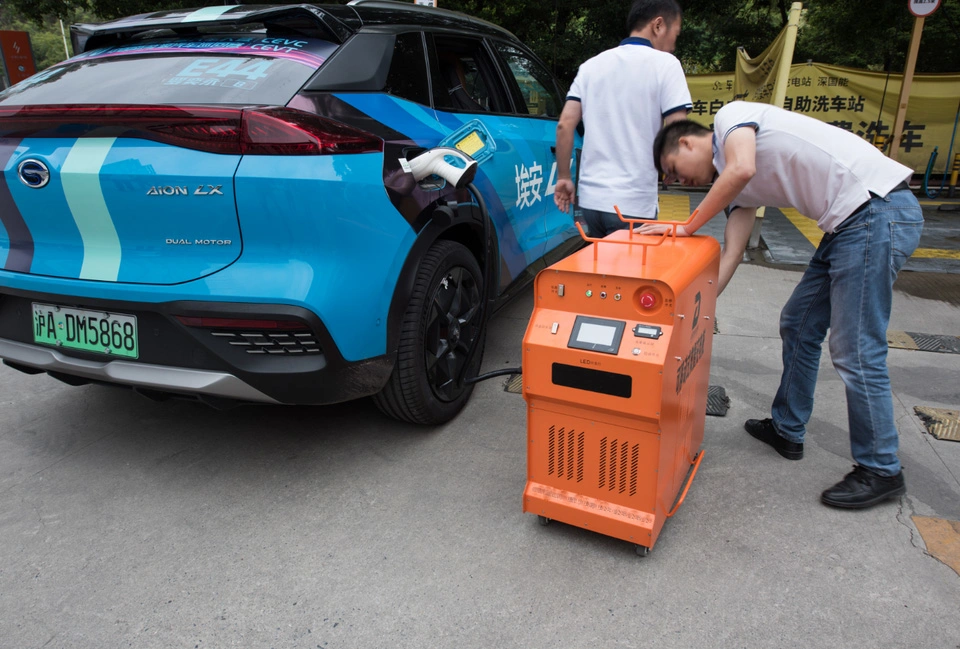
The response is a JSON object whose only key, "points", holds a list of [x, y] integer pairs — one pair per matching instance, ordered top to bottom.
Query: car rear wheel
{"points": [[439, 327]]}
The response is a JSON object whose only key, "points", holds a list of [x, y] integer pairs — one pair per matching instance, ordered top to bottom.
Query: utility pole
{"points": [[920, 9], [63, 33], [786, 59], [780, 94]]}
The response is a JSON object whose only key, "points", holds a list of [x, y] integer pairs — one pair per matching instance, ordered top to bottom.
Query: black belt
{"points": [[898, 188]]}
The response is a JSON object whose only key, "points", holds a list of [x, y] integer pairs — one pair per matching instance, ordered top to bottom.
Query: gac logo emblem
{"points": [[33, 173]]}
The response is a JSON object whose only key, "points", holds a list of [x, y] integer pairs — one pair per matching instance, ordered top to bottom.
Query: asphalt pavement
{"points": [[130, 523]]}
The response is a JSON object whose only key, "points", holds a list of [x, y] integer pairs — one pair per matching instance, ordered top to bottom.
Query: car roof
{"points": [[333, 22]]}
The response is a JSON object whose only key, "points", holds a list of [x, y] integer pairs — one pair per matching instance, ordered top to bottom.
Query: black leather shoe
{"points": [[763, 430], [863, 488]]}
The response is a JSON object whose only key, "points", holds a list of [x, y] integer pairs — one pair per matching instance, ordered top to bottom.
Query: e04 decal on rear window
{"points": [[250, 69]]}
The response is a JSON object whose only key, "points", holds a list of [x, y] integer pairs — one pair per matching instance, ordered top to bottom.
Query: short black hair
{"points": [[643, 11], [668, 139]]}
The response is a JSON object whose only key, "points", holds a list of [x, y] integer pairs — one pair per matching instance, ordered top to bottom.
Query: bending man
{"points": [[767, 156]]}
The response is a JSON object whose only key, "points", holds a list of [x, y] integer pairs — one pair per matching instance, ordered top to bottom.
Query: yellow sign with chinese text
{"points": [[759, 74], [859, 101]]}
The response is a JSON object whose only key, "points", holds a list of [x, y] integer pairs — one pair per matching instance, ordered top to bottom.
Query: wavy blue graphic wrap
{"points": [[519, 144], [522, 146], [80, 177], [114, 209], [194, 229], [4, 237], [343, 243], [16, 244], [57, 247]]}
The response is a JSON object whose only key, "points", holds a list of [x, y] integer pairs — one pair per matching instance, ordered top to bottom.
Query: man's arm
{"points": [[563, 193], [735, 238]]}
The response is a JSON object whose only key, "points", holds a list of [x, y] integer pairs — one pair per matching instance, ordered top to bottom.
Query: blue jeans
{"points": [[600, 224], [848, 289]]}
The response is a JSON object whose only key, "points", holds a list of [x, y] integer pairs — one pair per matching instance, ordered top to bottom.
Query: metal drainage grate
{"points": [[264, 342], [923, 342], [931, 343], [514, 384], [941, 423]]}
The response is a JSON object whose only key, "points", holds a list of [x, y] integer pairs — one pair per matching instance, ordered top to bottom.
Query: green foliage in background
{"points": [[869, 34], [46, 38]]}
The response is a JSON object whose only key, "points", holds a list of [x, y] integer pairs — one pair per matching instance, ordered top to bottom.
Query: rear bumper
{"points": [[204, 363], [137, 375]]}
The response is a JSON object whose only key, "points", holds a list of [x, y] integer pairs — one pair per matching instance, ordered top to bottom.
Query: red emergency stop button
{"points": [[647, 299]]}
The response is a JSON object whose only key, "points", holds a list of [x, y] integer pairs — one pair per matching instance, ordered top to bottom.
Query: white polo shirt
{"points": [[624, 94], [823, 171]]}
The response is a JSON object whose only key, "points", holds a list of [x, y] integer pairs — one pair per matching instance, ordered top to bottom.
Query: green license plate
{"points": [[112, 334]]}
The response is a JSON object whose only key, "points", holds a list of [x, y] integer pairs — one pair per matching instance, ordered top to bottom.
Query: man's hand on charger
{"points": [[659, 228]]}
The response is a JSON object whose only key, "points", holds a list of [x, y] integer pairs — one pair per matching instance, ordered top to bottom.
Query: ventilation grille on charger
{"points": [[565, 454], [618, 461]]}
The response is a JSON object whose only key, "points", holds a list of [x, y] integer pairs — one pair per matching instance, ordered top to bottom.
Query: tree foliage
{"points": [[40, 10], [714, 29], [562, 32], [872, 34], [875, 34], [46, 37]]}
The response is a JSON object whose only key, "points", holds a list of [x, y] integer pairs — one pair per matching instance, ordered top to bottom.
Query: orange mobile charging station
{"points": [[616, 366]]}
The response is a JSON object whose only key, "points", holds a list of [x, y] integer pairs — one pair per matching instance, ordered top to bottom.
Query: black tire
{"points": [[440, 324]]}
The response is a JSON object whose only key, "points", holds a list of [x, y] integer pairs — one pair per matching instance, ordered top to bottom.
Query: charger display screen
{"points": [[596, 334]]}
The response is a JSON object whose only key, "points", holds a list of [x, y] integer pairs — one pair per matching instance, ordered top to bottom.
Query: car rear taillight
{"points": [[214, 130], [236, 131], [284, 131]]}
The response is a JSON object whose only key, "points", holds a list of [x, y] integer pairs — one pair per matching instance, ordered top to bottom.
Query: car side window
{"points": [[465, 77], [407, 78], [536, 84]]}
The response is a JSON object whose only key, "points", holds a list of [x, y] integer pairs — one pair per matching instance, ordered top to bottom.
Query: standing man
{"points": [[623, 96], [872, 224]]}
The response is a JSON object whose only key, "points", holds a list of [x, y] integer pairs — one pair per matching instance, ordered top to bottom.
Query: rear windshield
{"points": [[243, 69]]}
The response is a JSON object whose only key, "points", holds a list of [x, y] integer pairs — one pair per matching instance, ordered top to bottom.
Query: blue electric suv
{"points": [[217, 204]]}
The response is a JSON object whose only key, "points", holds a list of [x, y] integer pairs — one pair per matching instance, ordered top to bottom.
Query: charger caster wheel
{"points": [[543, 520], [642, 550]]}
